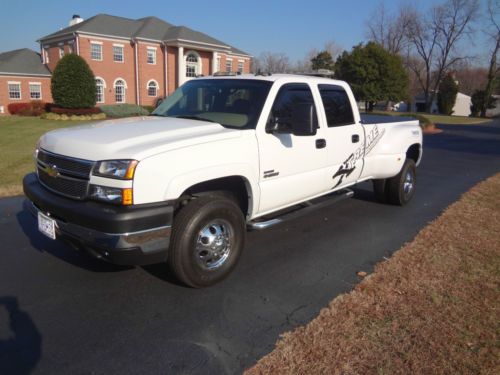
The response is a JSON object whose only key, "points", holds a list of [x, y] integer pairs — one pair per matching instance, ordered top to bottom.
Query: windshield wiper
{"points": [[193, 117]]}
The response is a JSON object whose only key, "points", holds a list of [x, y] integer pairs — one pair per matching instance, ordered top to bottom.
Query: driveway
{"points": [[64, 313]]}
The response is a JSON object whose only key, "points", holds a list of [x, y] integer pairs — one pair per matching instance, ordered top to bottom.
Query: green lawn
{"points": [[437, 119], [18, 137]]}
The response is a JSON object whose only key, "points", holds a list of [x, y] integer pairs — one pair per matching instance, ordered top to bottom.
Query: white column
{"points": [[165, 56], [214, 62], [181, 73]]}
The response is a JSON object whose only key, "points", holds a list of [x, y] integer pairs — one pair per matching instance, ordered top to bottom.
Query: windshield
{"points": [[233, 103]]}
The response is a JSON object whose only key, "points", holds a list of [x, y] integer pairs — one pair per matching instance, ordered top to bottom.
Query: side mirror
{"points": [[303, 119]]}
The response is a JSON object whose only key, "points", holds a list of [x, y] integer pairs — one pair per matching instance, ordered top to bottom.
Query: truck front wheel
{"points": [[207, 240]]}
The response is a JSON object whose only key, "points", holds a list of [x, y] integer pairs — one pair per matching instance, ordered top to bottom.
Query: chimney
{"points": [[76, 19]]}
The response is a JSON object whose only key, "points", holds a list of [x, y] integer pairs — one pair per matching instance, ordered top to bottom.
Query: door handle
{"points": [[355, 138], [320, 143]]}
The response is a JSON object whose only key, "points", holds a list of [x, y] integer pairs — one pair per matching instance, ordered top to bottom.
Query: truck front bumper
{"points": [[124, 235]]}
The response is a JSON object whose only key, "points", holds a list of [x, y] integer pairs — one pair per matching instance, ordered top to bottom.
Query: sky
{"points": [[290, 26]]}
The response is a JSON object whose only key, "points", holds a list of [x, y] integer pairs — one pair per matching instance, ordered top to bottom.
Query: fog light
{"points": [[111, 194]]}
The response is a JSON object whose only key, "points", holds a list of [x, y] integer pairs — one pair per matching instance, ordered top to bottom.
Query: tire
{"points": [[401, 188], [208, 238]]}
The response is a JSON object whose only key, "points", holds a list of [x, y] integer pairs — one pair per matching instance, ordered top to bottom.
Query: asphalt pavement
{"points": [[64, 313]]}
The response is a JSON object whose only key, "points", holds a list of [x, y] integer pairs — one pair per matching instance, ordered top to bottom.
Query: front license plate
{"points": [[46, 225]]}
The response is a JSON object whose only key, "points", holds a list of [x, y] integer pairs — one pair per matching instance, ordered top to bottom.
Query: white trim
{"points": [[103, 37], [139, 38], [95, 42], [195, 42], [118, 45], [152, 47], [166, 70], [23, 75], [181, 76], [102, 79], [120, 79], [157, 88], [103, 89], [137, 89], [20, 90], [29, 90]]}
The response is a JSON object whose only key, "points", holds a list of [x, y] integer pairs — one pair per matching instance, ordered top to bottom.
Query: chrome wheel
{"points": [[408, 183], [213, 244]]}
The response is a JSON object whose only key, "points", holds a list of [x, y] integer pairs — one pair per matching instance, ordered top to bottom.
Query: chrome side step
{"points": [[301, 209]]}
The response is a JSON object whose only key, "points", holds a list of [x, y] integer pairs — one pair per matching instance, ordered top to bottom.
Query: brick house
{"points": [[134, 60], [23, 78]]}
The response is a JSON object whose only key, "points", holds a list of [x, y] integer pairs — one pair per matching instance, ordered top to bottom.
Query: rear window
{"points": [[337, 105]]}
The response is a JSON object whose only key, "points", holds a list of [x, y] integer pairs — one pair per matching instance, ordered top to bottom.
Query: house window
{"points": [[96, 51], [61, 52], [117, 53], [151, 55], [192, 64], [229, 65], [240, 66], [152, 88], [14, 90], [35, 91], [120, 91], [99, 94]]}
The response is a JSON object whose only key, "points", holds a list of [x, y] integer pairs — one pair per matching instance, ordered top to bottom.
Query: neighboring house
{"points": [[134, 61], [138, 61], [23, 77], [461, 107], [495, 111]]}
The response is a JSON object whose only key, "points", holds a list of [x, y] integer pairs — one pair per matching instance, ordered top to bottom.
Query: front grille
{"points": [[78, 167], [64, 175], [72, 188]]}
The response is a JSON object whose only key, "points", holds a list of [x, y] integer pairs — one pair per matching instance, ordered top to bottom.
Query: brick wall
{"points": [[149, 72], [25, 92]]}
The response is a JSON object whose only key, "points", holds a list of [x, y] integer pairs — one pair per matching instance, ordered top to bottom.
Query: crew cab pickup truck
{"points": [[219, 156]]}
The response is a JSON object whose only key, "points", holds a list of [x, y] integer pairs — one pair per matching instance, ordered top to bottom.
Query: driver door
{"points": [[291, 167]]}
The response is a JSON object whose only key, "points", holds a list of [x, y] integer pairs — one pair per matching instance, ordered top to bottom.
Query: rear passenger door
{"points": [[344, 137]]}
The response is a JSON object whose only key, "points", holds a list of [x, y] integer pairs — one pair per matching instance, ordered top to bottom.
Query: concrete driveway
{"points": [[63, 313]]}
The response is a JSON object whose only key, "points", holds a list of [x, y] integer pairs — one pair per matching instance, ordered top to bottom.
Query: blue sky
{"points": [[293, 27]]}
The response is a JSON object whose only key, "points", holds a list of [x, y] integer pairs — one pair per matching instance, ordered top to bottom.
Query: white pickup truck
{"points": [[218, 156]]}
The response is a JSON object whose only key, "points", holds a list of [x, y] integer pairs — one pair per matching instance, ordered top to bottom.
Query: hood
{"points": [[132, 138]]}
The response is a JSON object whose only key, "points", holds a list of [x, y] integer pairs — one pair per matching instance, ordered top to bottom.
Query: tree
{"points": [[388, 29], [433, 39], [322, 60], [272, 62], [305, 65], [494, 70], [373, 73], [73, 83], [447, 96], [479, 102]]}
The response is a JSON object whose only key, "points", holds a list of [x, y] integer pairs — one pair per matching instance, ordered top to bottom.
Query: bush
{"points": [[73, 83], [447, 95], [479, 102], [33, 108], [149, 108], [124, 110], [75, 111], [55, 116]]}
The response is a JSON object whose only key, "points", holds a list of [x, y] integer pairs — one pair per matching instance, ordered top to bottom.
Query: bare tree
{"points": [[389, 30], [434, 39], [272, 62], [305, 65], [494, 70], [470, 78]]}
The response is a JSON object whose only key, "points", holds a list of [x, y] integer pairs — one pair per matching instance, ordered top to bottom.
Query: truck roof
{"points": [[276, 77]]}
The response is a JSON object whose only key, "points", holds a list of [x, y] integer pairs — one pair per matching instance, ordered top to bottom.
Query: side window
{"points": [[289, 96], [337, 105]]}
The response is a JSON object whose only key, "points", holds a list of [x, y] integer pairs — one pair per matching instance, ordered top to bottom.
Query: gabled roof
{"points": [[151, 28], [22, 61]]}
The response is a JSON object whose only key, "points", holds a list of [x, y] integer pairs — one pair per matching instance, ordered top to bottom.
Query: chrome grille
{"points": [[64, 175]]}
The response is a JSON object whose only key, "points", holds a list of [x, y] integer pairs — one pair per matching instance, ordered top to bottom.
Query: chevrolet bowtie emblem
{"points": [[52, 171]]}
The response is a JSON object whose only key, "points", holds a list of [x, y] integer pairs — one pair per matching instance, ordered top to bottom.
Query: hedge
{"points": [[33, 108], [124, 110]]}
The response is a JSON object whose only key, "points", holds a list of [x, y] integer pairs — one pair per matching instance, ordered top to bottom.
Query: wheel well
{"points": [[413, 152], [235, 185]]}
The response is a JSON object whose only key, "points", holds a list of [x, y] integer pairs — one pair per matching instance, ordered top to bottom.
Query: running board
{"points": [[301, 209]]}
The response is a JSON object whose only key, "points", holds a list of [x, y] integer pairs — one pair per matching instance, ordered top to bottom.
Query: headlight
{"points": [[37, 148], [120, 169], [111, 194]]}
